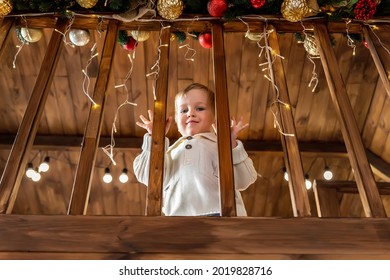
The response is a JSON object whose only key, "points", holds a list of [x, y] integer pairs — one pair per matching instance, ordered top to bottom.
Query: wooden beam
{"points": [[200, 25], [5, 28], [377, 60], [157, 152], [293, 162], [379, 166], [14, 169], [226, 175], [83, 179], [351, 186], [369, 195], [174, 236]]}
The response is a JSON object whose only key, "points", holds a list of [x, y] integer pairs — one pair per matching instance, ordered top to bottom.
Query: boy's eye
{"points": [[200, 109], [183, 111]]}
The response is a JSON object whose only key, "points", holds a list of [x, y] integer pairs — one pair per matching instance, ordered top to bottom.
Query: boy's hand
{"points": [[148, 123], [235, 128]]}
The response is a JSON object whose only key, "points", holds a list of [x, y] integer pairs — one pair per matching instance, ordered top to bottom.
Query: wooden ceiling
{"points": [[318, 129]]}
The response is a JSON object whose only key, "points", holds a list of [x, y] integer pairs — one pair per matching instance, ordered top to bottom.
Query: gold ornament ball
{"points": [[87, 3], [5, 7], [170, 9], [294, 10], [31, 35], [140, 36], [79, 37], [310, 45]]}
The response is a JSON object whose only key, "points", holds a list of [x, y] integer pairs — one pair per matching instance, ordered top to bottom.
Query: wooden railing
{"points": [[68, 236]]}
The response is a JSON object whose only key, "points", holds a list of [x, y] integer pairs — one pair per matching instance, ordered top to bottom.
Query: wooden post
{"points": [[377, 60], [14, 168], [156, 173], [226, 176], [82, 182], [296, 182], [368, 191]]}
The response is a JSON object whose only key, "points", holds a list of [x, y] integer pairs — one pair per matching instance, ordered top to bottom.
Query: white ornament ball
{"points": [[31, 35], [79, 37]]}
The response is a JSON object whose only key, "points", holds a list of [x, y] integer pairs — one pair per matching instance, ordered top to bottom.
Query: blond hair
{"points": [[211, 94]]}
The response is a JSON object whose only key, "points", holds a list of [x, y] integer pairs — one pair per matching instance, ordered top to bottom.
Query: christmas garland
{"points": [[228, 9]]}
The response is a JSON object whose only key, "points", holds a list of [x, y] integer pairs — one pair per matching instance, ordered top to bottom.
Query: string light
{"points": [[67, 29], [350, 42], [270, 55], [311, 57], [156, 66], [87, 80], [109, 149], [44, 166], [30, 170], [285, 174], [328, 175], [36, 176], [107, 177], [123, 178], [307, 182]]}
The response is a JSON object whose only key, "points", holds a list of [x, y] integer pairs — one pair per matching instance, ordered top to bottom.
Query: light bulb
{"points": [[44, 166], [30, 170], [285, 175], [328, 175], [36, 177], [107, 178], [123, 178], [307, 182]]}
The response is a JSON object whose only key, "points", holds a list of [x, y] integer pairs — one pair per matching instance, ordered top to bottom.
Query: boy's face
{"points": [[194, 113]]}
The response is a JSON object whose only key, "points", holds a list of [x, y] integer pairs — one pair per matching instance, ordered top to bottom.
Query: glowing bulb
{"points": [[44, 166], [30, 170], [285, 175], [328, 175], [36, 177], [107, 178], [123, 178], [307, 182]]}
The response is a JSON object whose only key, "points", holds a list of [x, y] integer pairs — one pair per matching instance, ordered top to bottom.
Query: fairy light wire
{"points": [[67, 29], [379, 40], [350, 42], [19, 47], [270, 56], [156, 66], [314, 75], [87, 80], [109, 149]]}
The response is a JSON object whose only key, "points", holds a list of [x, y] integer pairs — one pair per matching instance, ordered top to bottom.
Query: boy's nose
{"points": [[191, 113]]}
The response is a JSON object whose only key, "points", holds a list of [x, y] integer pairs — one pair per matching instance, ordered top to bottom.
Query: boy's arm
{"points": [[141, 163], [244, 172]]}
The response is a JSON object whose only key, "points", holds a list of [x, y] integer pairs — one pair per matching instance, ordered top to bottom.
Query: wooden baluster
{"points": [[14, 169], [156, 173], [83, 179]]}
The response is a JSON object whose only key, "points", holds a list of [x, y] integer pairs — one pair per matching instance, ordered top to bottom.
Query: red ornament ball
{"points": [[257, 4], [217, 8], [205, 40], [131, 44], [365, 44]]}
